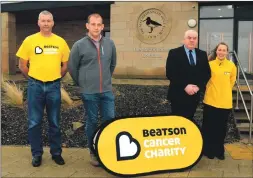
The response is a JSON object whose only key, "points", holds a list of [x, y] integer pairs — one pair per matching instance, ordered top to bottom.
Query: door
{"points": [[245, 45]]}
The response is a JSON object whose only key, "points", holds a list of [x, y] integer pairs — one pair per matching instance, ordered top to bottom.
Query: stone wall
{"points": [[8, 46], [133, 62]]}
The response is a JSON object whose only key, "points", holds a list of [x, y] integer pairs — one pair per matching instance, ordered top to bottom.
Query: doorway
{"points": [[245, 45]]}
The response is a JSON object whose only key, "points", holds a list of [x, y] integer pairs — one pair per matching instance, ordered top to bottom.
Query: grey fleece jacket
{"points": [[92, 68]]}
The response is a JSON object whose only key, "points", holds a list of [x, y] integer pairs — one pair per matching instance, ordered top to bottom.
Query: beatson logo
{"points": [[153, 26], [130, 147]]}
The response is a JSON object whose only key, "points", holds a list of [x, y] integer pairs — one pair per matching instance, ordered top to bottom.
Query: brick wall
{"points": [[71, 31], [8, 46]]}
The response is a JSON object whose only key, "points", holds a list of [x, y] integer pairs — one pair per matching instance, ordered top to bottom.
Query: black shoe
{"points": [[210, 157], [221, 157], [58, 159], [36, 161]]}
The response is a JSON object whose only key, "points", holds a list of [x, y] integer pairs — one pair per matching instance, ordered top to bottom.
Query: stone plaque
{"points": [[153, 26]]}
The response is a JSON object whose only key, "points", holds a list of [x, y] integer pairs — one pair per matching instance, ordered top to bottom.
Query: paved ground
{"points": [[16, 162]]}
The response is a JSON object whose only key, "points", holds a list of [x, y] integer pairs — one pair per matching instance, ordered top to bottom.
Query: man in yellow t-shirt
{"points": [[47, 55]]}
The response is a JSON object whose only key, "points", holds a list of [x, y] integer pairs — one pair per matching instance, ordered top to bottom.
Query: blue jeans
{"points": [[41, 95], [92, 104]]}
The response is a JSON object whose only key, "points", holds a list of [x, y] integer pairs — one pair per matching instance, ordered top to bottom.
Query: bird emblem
{"points": [[151, 23]]}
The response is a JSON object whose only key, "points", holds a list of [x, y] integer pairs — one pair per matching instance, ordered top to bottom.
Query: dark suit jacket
{"points": [[181, 73]]}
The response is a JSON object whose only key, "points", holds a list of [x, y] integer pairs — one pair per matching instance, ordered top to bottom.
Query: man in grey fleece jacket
{"points": [[91, 64]]}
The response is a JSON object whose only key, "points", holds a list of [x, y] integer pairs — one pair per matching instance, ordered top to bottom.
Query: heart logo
{"points": [[38, 50], [127, 147]]}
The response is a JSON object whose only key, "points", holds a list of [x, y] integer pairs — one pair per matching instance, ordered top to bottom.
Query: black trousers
{"points": [[185, 107], [214, 129]]}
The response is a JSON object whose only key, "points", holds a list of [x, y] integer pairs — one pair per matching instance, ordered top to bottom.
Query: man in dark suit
{"points": [[188, 70]]}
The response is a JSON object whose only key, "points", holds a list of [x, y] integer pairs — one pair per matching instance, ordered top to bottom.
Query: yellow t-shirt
{"points": [[45, 55], [219, 88]]}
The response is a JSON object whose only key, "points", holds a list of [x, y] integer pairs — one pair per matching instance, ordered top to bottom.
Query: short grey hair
{"points": [[45, 12], [94, 15], [190, 31]]}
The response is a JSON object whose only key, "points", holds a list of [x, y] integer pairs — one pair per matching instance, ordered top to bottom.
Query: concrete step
{"points": [[243, 82], [244, 88], [246, 97], [241, 107], [239, 110], [241, 117], [244, 127]]}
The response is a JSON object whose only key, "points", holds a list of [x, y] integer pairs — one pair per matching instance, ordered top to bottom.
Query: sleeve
{"points": [[23, 51], [65, 52], [114, 58], [73, 63], [168, 65], [172, 72], [206, 72], [233, 76]]}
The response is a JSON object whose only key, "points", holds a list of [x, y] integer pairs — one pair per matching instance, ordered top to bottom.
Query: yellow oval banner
{"points": [[146, 145]]}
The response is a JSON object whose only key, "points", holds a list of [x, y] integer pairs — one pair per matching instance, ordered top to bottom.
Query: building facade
{"points": [[143, 32]]}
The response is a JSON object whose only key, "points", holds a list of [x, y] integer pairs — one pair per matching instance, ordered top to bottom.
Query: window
{"points": [[216, 11], [215, 26], [214, 31], [245, 45]]}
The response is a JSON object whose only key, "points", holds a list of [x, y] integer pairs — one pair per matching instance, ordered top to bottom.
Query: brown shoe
{"points": [[93, 160]]}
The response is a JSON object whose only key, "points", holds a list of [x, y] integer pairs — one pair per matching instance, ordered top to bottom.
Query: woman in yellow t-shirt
{"points": [[218, 102]]}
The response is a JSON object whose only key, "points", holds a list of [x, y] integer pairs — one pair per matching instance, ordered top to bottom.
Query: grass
{"points": [[67, 79], [13, 94], [65, 97]]}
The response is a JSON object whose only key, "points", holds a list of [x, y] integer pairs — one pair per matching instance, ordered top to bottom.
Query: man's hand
{"points": [[23, 67], [64, 69], [195, 88], [191, 89]]}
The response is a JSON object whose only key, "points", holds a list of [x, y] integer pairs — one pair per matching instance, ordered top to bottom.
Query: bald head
{"points": [[190, 39]]}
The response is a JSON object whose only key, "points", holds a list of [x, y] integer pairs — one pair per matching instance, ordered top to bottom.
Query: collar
{"points": [[51, 34], [95, 40], [187, 50], [219, 62]]}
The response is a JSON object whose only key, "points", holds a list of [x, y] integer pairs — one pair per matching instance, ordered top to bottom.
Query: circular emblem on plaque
{"points": [[153, 26]]}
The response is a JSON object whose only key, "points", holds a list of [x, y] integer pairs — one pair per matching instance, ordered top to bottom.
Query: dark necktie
{"points": [[191, 58]]}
